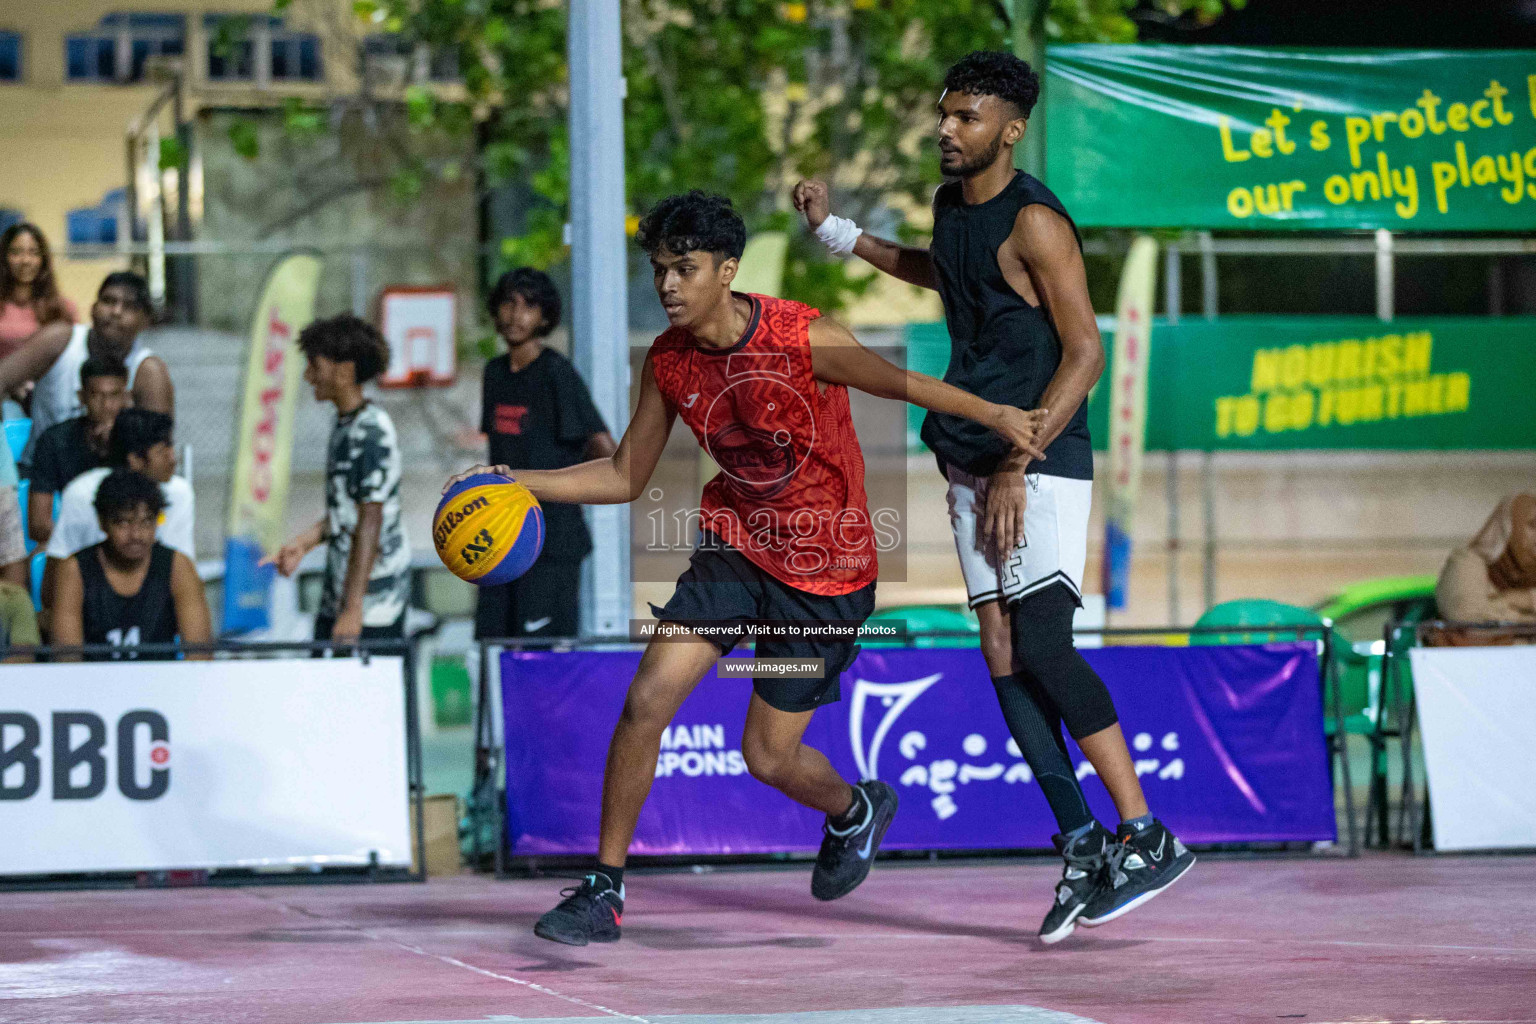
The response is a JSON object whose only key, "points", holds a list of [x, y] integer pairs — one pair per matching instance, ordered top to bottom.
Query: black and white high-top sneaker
{"points": [[1141, 865], [1081, 880]]}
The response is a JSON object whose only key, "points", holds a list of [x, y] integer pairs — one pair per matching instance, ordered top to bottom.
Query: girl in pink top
{"points": [[29, 295]]}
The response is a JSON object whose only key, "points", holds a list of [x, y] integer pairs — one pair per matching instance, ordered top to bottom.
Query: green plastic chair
{"points": [[1252, 612], [927, 618]]}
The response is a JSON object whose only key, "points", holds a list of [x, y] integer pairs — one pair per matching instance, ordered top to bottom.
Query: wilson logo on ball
{"points": [[453, 517], [488, 529]]}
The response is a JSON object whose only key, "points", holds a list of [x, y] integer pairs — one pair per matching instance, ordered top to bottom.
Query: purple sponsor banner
{"points": [[1228, 742]]}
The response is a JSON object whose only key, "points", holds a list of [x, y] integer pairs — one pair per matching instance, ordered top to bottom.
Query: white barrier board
{"points": [[1477, 714], [156, 765]]}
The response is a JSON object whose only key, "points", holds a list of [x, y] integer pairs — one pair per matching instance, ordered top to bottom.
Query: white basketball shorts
{"points": [[1053, 549]]}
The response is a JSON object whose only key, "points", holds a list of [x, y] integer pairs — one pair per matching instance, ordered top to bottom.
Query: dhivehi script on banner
{"points": [[1264, 139], [1477, 714], [1228, 743], [128, 766]]}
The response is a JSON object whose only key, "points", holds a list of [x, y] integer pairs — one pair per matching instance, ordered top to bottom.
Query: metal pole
{"points": [[1029, 43], [185, 266], [599, 275], [1207, 275], [360, 282], [1385, 286], [1172, 298], [1208, 503], [414, 767]]}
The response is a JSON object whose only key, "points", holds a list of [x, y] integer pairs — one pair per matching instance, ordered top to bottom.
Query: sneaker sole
{"points": [[874, 849], [1139, 900], [1064, 929], [571, 939]]}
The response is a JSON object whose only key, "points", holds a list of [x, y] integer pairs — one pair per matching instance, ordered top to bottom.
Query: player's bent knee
{"points": [[998, 651], [647, 708], [766, 764]]}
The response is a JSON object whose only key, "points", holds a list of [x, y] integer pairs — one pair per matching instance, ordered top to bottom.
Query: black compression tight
{"points": [[1043, 650], [1054, 684]]}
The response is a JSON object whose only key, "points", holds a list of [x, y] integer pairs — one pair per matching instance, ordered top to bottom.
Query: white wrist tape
{"points": [[839, 234]]}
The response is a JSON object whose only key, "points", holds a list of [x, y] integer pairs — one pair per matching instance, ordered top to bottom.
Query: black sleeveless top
{"points": [[1001, 348], [148, 617]]}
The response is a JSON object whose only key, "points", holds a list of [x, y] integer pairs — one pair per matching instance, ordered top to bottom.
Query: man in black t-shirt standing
{"points": [[537, 414], [78, 445]]}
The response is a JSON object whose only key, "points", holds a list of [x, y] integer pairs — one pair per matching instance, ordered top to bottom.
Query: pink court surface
{"points": [[1381, 939]]}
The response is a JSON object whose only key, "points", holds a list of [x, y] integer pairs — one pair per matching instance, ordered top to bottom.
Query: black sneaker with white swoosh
{"points": [[845, 859], [1138, 868]]}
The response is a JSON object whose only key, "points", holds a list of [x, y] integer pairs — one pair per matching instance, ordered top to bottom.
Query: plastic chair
{"points": [[16, 434], [1251, 612]]}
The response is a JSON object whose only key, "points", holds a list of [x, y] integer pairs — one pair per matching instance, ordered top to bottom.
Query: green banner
{"points": [[1248, 139], [1271, 383], [1275, 383]]}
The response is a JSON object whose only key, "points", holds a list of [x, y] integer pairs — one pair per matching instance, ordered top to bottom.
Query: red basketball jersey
{"points": [[790, 492]]}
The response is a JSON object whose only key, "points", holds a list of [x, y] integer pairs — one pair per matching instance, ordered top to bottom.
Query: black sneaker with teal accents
{"points": [[846, 856], [1140, 866], [1081, 880], [591, 912]]}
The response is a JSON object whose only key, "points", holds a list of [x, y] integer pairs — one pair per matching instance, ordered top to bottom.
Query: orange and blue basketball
{"points": [[488, 529]]}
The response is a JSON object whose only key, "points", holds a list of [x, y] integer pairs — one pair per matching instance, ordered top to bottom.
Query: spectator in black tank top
{"points": [[1007, 261], [537, 414], [78, 445], [129, 590]]}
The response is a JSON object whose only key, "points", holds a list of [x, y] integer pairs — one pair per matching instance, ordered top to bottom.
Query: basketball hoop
{"points": [[420, 325]]}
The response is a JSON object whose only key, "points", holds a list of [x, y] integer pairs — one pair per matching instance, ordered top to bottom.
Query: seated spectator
{"points": [[29, 293], [29, 298], [52, 357], [140, 441], [65, 450], [1493, 579], [129, 589], [18, 623]]}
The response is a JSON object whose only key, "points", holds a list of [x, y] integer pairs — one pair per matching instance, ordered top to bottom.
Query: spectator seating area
{"points": [[16, 432]]}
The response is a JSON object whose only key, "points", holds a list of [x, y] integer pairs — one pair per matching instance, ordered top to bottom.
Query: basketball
{"points": [[488, 529]]}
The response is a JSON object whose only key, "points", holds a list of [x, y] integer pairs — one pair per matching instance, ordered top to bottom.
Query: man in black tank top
{"points": [[1007, 261], [129, 590]]}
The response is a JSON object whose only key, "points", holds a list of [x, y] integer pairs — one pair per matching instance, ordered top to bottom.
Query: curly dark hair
{"points": [[992, 73], [694, 221], [537, 289], [347, 339], [135, 432], [123, 491]]}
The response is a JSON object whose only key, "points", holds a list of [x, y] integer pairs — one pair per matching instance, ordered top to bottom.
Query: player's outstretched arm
{"points": [[1044, 240], [906, 262], [838, 358], [615, 480]]}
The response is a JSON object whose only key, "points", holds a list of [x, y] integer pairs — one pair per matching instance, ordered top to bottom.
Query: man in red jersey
{"points": [[786, 535]]}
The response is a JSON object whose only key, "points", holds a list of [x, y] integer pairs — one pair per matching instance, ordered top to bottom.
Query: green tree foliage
{"points": [[736, 96]]}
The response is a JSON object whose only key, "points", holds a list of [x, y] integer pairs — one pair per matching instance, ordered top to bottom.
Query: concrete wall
{"points": [[65, 141]]}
